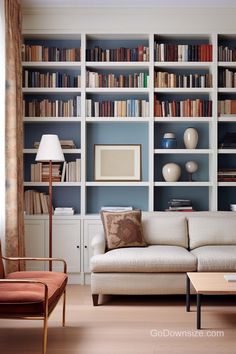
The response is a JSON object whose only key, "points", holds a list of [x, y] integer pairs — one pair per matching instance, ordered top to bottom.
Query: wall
{"points": [[172, 20]]}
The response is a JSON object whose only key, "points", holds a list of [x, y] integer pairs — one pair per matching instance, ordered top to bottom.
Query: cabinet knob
{"points": [[77, 246], [85, 246]]}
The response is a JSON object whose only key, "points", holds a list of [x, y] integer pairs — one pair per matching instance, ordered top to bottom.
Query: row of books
{"points": [[182, 52], [43, 53], [140, 53], [226, 54], [226, 78], [49, 79], [94, 79], [165, 79], [226, 107], [52, 108], [125, 108], [186, 108], [65, 144], [68, 172], [227, 175], [36, 202], [180, 205], [64, 211]]}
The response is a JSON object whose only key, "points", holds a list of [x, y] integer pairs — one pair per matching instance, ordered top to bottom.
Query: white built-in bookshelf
{"points": [[152, 192]]}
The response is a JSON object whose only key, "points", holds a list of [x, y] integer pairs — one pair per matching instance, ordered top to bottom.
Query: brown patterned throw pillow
{"points": [[123, 229]]}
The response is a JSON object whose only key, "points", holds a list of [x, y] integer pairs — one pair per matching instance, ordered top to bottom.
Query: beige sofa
{"points": [[177, 243]]}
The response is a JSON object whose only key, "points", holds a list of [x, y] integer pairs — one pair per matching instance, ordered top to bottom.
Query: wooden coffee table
{"points": [[207, 284]]}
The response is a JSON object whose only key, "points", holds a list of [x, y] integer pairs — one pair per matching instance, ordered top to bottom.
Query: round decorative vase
{"points": [[190, 138], [169, 141], [191, 167], [171, 172]]}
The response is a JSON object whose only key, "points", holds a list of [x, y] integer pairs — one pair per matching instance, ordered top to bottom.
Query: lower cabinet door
{"points": [[91, 228], [35, 243], [65, 244]]}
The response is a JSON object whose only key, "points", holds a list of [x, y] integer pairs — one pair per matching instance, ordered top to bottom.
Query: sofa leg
{"points": [[95, 299]]}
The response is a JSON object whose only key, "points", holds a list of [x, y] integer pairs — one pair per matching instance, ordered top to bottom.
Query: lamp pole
{"points": [[50, 214]]}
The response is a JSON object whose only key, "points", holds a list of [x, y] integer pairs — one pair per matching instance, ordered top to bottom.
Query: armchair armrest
{"points": [[98, 244], [37, 259]]}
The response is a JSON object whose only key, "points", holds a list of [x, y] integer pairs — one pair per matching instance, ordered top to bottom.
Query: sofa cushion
{"points": [[123, 229], [165, 230], [208, 230], [215, 258], [145, 260], [20, 298]]}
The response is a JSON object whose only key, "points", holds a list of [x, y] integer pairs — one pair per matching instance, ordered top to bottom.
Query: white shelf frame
{"points": [[149, 66]]}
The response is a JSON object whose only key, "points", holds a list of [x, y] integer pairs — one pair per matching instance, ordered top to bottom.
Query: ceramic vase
{"points": [[190, 138], [169, 141], [191, 167], [171, 172]]}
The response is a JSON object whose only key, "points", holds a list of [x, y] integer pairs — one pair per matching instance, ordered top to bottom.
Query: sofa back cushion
{"points": [[165, 230], [211, 230]]}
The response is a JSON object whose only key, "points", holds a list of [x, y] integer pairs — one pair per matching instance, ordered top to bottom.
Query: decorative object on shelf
{"points": [[190, 138], [169, 141], [50, 151], [117, 162], [191, 167], [171, 172], [180, 205], [233, 207]]}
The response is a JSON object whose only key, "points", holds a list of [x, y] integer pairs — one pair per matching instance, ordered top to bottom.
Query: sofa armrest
{"points": [[98, 244]]}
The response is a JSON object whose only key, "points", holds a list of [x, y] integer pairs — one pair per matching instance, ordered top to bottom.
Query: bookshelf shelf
{"points": [[52, 64], [185, 64], [228, 64], [45, 90], [126, 90], [186, 90], [227, 90], [52, 119], [117, 119], [182, 119], [65, 151], [183, 151], [226, 151], [54, 184], [117, 184], [183, 184], [227, 184]]}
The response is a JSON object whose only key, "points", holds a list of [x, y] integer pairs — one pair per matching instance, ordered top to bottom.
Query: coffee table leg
{"points": [[187, 293], [198, 311]]}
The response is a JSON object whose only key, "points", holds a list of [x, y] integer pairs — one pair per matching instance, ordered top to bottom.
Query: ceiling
{"points": [[129, 3]]}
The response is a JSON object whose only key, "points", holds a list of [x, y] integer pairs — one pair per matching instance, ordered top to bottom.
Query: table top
{"points": [[212, 283]]}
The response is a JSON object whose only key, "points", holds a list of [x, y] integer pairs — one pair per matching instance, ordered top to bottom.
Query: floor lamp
{"points": [[50, 151]]}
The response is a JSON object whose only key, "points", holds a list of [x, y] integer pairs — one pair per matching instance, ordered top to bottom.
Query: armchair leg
{"points": [[95, 299], [64, 309], [45, 334]]}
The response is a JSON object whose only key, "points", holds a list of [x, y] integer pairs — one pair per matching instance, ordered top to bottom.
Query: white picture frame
{"points": [[117, 162]]}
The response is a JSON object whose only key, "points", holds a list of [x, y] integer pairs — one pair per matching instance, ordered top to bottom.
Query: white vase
{"points": [[190, 138], [171, 172]]}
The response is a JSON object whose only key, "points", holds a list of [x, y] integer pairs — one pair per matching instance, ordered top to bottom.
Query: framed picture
{"points": [[117, 162]]}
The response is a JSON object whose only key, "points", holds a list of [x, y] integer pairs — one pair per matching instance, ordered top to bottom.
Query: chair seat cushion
{"points": [[215, 258], [145, 260], [29, 298]]}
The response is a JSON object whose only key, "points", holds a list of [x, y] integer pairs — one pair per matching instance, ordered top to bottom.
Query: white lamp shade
{"points": [[50, 149]]}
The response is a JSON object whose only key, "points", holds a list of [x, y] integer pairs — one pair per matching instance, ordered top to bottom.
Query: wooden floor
{"points": [[125, 325]]}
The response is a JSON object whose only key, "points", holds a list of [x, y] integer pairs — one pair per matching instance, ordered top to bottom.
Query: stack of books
{"points": [[182, 52], [43, 53], [140, 53], [226, 54], [226, 78], [48, 79], [94, 79], [166, 79], [226, 107], [124, 108], [186, 108], [65, 144], [227, 175], [36, 202], [180, 205], [233, 207], [116, 208], [64, 211]]}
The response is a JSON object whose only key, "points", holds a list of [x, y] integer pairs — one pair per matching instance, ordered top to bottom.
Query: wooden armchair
{"points": [[32, 295]]}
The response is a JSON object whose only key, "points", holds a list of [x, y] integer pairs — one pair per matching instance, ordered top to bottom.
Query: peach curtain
{"points": [[14, 136]]}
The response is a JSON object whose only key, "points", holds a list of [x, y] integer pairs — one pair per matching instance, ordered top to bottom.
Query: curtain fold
{"points": [[14, 136]]}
